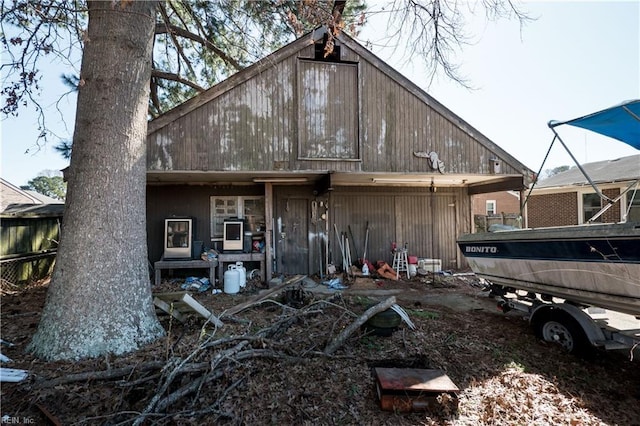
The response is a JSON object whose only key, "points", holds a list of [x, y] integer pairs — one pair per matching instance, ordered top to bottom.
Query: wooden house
{"points": [[313, 150]]}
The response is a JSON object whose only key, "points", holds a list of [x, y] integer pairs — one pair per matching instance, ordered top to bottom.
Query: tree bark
{"points": [[99, 300]]}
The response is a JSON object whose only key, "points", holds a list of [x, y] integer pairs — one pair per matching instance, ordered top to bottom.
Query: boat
{"points": [[588, 265]]}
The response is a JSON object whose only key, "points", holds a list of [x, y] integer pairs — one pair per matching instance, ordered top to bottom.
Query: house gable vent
{"points": [[321, 49]]}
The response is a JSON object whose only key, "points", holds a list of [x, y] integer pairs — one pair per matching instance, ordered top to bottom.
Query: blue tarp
{"points": [[621, 122]]}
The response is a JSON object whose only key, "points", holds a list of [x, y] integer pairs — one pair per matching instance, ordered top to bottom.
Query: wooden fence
{"points": [[484, 222], [28, 247]]}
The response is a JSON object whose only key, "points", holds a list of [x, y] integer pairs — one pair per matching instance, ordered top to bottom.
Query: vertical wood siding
{"points": [[328, 112], [260, 123], [165, 201], [428, 222]]}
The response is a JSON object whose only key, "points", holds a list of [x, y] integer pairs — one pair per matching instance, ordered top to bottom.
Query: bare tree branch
{"points": [[167, 28], [175, 77]]}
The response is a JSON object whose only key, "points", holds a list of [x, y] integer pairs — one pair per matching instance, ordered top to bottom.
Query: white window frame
{"points": [[495, 207], [635, 207], [581, 211], [240, 212]]}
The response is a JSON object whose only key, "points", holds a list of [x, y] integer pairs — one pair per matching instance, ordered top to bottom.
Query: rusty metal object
{"points": [[411, 389]]}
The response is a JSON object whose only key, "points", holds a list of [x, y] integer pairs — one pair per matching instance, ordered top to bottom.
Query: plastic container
{"points": [[430, 265], [243, 274], [232, 280]]}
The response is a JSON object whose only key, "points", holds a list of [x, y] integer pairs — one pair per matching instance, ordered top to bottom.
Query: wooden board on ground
{"points": [[180, 303], [242, 306]]}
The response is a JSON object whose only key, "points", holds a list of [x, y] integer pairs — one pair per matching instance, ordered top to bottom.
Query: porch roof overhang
{"points": [[477, 183]]}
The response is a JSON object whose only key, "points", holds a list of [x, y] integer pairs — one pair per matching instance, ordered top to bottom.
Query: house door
{"points": [[292, 236]]}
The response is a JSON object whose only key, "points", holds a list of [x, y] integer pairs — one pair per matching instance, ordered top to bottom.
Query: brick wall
{"points": [[505, 202], [562, 209], [553, 210], [613, 214]]}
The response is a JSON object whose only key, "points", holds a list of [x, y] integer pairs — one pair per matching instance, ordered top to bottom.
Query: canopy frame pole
{"points": [[631, 113], [535, 180], [593, 185], [612, 202]]}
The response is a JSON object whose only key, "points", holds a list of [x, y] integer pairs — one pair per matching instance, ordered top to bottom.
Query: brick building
{"points": [[568, 199], [494, 203]]}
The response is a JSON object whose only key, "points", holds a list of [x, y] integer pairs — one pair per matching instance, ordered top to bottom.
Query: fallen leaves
{"points": [[266, 366]]}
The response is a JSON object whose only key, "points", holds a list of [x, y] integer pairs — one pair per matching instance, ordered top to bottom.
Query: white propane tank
{"points": [[413, 270], [243, 274], [232, 280]]}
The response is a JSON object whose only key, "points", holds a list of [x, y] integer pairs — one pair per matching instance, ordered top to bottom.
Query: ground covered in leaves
{"points": [[267, 364]]}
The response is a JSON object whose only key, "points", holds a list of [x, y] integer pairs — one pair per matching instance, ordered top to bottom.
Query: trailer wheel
{"points": [[557, 326]]}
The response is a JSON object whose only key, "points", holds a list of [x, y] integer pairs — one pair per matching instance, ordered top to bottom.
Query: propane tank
{"points": [[243, 274], [231, 280]]}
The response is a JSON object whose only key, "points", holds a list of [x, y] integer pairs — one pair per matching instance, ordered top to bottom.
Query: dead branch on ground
{"points": [[342, 337]]}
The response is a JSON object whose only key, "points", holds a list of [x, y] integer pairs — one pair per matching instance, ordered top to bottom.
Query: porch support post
{"points": [[268, 207]]}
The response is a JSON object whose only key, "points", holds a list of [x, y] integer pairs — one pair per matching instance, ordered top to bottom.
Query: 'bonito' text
{"points": [[483, 249]]}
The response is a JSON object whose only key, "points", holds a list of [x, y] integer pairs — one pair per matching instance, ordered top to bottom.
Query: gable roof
{"points": [[307, 40], [607, 171], [10, 193], [16, 202], [32, 210]]}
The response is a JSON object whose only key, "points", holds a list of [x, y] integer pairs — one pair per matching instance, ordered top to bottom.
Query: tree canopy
{"points": [[196, 43], [199, 43], [51, 186]]}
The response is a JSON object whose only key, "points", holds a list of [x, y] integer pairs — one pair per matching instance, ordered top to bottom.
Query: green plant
{"points": [[362, 300], [424, 314], [371, 343]]}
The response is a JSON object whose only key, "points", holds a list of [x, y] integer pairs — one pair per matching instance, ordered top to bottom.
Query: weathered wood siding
{"points": [[328, 112], [272, 121], [165, 201], [428, 223]]}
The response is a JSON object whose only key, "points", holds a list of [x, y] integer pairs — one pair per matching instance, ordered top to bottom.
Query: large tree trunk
{"points": [[99, 300]]}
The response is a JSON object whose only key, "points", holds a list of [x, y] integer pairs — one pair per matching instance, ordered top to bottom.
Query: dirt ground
{"points": [[267, 365]]}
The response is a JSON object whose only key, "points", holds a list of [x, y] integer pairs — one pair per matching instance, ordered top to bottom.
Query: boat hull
{"points": [[595, 265]]}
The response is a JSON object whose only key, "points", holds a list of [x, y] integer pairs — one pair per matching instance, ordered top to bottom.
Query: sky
{"points": [[575, 58]]}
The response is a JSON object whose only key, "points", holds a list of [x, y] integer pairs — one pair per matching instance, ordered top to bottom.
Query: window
{"points": [[590, 206], [633, 206], [491, 207], [249, 208]]}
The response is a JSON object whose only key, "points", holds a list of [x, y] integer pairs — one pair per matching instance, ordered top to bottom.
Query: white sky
{"points": [[576, 58]]}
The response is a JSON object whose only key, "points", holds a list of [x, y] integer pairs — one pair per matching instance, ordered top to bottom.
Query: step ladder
{"points": [[401, 262]]}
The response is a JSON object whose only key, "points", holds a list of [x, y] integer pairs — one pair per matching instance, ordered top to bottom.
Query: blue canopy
{"points": [[621, 122]]}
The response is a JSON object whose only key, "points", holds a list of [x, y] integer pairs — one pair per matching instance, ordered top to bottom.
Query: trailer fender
{"points": [[591, 329]]}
